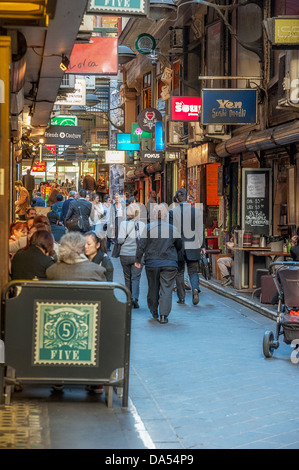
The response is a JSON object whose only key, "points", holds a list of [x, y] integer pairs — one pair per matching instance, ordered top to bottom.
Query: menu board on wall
{"points": [[257, 200]]}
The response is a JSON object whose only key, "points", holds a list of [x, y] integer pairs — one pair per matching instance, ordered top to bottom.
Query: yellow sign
{"points": [[286, 30]]}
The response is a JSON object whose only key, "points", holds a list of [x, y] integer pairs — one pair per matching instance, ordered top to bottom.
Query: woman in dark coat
{"points": [[96, 252], [32, 262]]}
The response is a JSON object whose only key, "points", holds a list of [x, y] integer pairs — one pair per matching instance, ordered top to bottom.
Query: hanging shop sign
{"points": [[119, 7], [283, 32], [145, 43], [98, 57], [75, 98], [229, 106], [185, 108], [147, 119], [64, 120], [138, 133], [63, 135], [159, 141], [123, 142], [115, 156], [151, 156], [39, 167]]}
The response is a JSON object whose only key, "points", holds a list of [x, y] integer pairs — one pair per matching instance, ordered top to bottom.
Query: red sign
{"points": [[99, 57], [185, 108], [39, 167], [212, 184], [45, 190]]}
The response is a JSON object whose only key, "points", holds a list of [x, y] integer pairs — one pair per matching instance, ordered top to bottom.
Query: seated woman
{"points": [[95, 252], [32, 262], [72, 264]]}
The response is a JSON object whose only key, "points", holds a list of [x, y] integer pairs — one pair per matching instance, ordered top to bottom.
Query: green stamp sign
{"points": [[66, 333]]}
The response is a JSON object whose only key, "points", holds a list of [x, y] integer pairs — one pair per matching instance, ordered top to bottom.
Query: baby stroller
{"points": [[286, 279]]}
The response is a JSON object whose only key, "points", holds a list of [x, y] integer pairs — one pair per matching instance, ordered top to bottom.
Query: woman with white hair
{"points": [[129, 234], [160, 243], [72, 264]]}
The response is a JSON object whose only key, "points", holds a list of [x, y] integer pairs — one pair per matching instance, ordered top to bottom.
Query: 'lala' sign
{"points": [[185, 108]]}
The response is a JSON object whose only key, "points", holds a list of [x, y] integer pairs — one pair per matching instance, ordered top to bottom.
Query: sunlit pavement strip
{"points": [[24, 426], [140, 428]]}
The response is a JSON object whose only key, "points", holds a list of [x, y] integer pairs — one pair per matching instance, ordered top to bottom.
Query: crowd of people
{"points": [[79, 235]]}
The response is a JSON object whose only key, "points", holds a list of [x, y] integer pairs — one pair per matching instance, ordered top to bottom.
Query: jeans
{"points": [[192, 267], [131, 274], [160, 285]]}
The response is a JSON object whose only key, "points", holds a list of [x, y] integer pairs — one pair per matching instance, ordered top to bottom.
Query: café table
{"points": [[262, 252], [240, 265]]}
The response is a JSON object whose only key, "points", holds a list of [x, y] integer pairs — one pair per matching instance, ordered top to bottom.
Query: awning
{"points": [[278, 136]]}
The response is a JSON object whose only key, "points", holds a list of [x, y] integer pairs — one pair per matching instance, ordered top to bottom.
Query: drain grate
{"points": [[24, 426]]}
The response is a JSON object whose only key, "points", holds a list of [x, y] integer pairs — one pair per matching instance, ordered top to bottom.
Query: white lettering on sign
{"points": [[117, 3], [288, 31], [180, 107], [152, 155]]}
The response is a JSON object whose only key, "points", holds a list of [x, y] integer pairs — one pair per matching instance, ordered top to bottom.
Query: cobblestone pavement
{"points": [[199, 382]]}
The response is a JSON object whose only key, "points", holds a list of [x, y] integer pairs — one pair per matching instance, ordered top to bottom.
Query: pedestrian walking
{"points": [[28, 181], [89, 183], [22, 203], [65, 206], [81, 210], [98, 210], [188, 221], [57, 230], [128, 238], [161, 244]]}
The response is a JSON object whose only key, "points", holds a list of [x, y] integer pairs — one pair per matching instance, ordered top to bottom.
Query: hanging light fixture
{"points": [[160, 9], [125, 54]]}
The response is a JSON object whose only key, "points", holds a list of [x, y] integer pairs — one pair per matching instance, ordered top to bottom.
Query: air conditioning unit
{"points": [[288, 79], [215, 129], [195, 132]]}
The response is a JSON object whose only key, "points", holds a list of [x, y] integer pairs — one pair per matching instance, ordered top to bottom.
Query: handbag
{"points": [[75, 224], [116, 250], [204, 266]]}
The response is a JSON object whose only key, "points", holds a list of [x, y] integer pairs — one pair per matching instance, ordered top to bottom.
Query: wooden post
{"points": [[5, 58]]}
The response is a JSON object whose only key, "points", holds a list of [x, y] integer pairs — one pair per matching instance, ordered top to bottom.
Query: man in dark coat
{"points": [[29, 183], [89, 183], [65, 205], [81, 208], [188, 221], [56, 229]]}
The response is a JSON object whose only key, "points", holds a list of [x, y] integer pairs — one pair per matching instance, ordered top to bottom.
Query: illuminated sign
{"points": [[99, 57], [229, 106], [185, 108], [64, 120], [138, 133], [63, 135], [123, 142], [159, 142], [115, 156], [39, 167]]}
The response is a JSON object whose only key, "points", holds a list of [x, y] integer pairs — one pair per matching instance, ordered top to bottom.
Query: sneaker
{"points": [[228, 282], [187, 285], [195, 297], [180, 301], [135, 303], [155, 315], [94, 388]]}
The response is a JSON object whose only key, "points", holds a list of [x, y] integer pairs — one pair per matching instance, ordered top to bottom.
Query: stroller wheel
{"points": [[268, 346]]}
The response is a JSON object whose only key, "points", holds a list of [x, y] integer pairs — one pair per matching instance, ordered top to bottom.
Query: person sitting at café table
{"points": [[294, 252], [226, 264]]}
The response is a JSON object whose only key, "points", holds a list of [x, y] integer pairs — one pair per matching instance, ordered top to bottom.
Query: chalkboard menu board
{"points": [[257, 200]]}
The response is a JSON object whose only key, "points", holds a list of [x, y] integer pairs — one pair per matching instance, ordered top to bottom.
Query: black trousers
{"points": [[160, 286]]}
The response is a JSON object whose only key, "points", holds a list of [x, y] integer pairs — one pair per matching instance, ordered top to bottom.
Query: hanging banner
{"points": [[98, 57], [147, 119], [151, 156]]}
